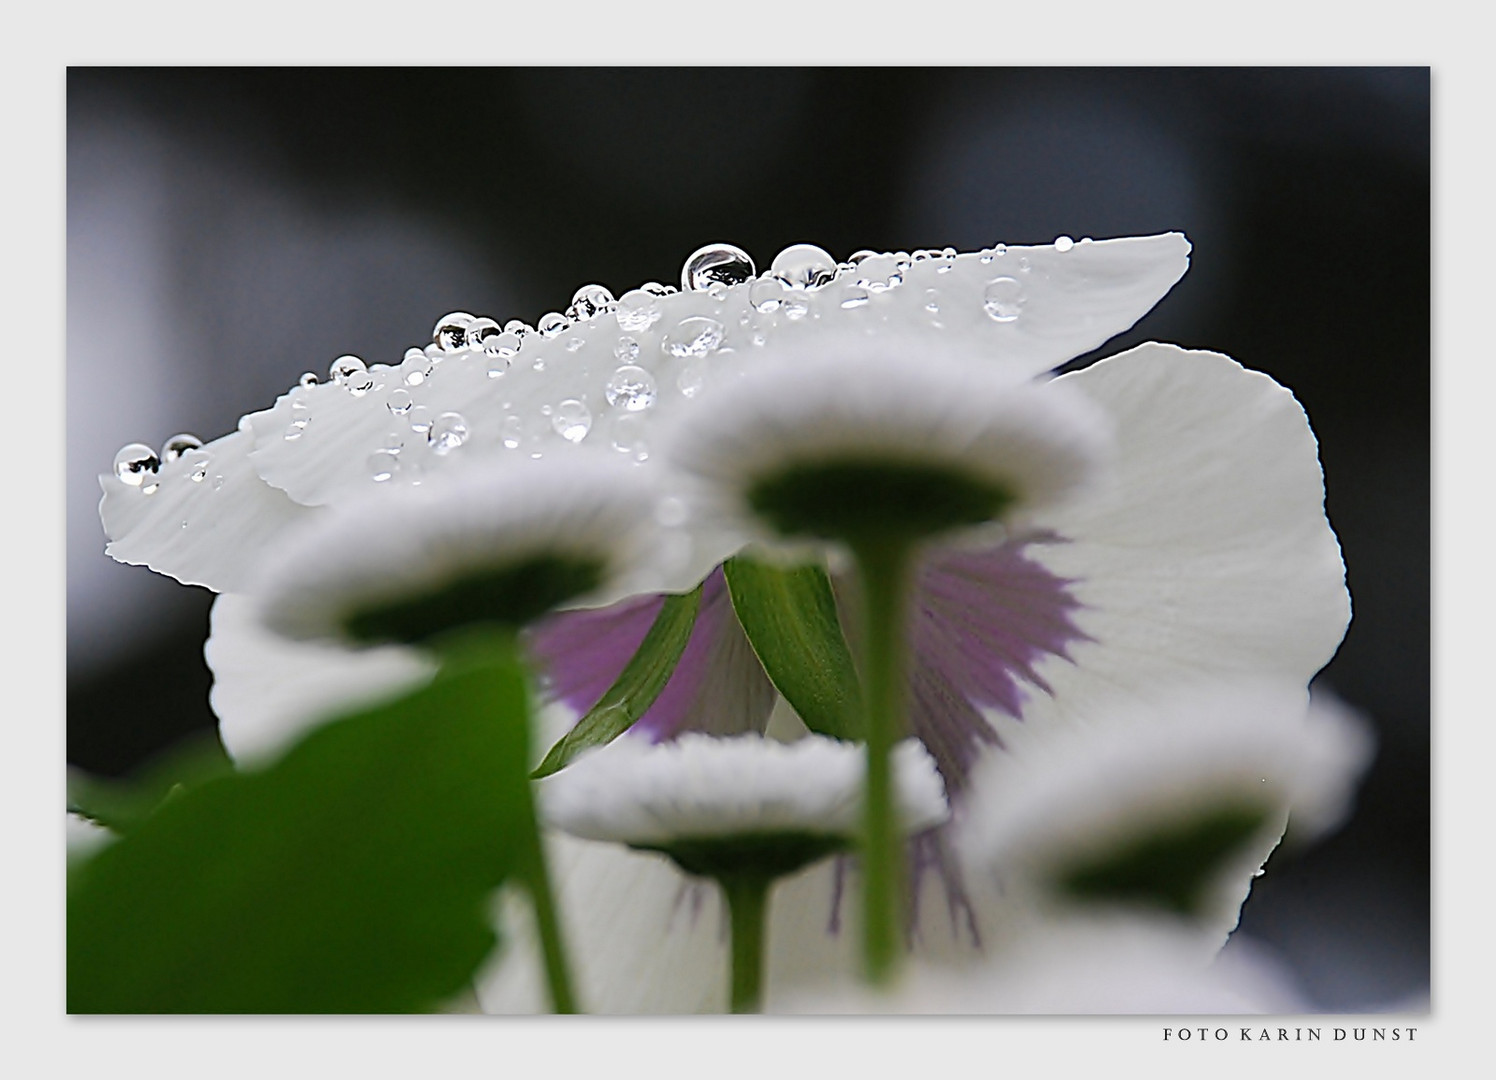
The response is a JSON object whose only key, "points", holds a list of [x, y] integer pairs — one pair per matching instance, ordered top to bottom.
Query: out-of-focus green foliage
{"points": [[353, 875]]}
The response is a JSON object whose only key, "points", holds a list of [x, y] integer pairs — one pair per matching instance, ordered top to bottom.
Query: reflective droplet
{"points": [[1063, 243], [857, 256], [716, 264], [804, 266], [654, 288], [717, 291], [766, 294], [855, 296], [1003, 299], [932, 301], [589, 302], [794, 306], [638, 309], [552, 323], [519, 328], [478, 331], [450, 332], [696, 336], [575, 343], [627, 350], [435, 353], [345, 368], [415, 368], [308, 378], [690, 380], [631, 389], [399, 402], [419, 419], [572, 420], [294, 430], [512, 430], [448, 432], [628, 434], [178, 445], [197, 462], [136, 463], [382, 466], [218, 483]]}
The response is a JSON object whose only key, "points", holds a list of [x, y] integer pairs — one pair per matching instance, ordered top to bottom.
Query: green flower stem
{"points": [[884, 567], [747, 906], [552, 947]]}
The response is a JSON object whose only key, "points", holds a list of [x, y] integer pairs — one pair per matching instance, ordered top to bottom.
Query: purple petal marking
{"points": [[982, 621], [718, 685]]}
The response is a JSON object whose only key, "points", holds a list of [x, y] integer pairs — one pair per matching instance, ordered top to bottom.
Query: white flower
{"points": [[475, 546], [701, 787], [1172, 805]]}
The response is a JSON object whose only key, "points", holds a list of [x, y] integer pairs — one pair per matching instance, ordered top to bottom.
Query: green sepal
{"points": [[789, 615], [637, 686], [354, 875]]}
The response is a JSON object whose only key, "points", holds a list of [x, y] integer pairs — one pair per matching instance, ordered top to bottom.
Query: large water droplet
{"points": [[1063, 243], [721, 264], [804, 266], [766, 294], [1003, 299], [589, 302], [638, 309], [552, 323], [519, 328], [479, 330], [450, 332], [696, 336], [500, 351], [345, 368], [415, 368], [631, 389], [399, 402], [419, 419], [572, 420], [448, 432], [178, 445], [136, 463], [383, 466]]}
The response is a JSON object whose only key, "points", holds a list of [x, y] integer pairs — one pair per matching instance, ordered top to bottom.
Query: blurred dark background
{"points": [[231, 228]]}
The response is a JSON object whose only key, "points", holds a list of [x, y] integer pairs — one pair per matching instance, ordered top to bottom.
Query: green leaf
{"points": [[789, 615], [636, 687], [121, 804], [354, 875]]}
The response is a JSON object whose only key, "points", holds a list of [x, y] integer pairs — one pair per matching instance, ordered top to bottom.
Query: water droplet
{"points": [[1063, 243], [857, 256], [719, 263], [804, 266], [654, 288], [717, 291], [766, 294], [855, 296], [1003, 299], [932, 301], [589, 302], [794, 307], [638, 309], [552, 323], [519, 328], [478, 331], [450, 332], [696, 336], [574, 343], [627, 350], [345, 368], [415, 368], [308, 378], [690, 379], [631, 389], [399, 402], [419, 419], [572, 420], [294, 430], [512, 430], [448, 432], [628, 434], [178, 445], [136, 463], [197, 465], [382, 466], [218, 483]]}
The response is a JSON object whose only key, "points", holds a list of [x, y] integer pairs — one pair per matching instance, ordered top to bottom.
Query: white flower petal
{"points": [[206, 523], [1209, 556], [268, 691]]}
